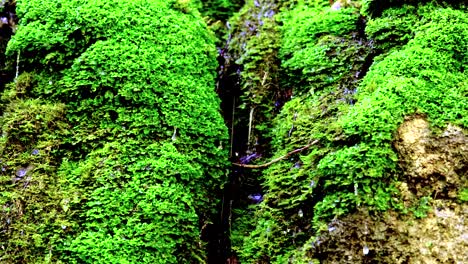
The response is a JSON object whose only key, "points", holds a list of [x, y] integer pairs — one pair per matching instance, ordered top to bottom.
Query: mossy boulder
{"points": [[127, 115], [355, 165]]}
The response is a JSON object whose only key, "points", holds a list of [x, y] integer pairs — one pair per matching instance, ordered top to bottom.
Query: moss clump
{"points": [[219, 9], [254, 48], [322, 71], [430, 81], [142, 163], [355, 165], [463, 195], [142, 205], [32, 218]]}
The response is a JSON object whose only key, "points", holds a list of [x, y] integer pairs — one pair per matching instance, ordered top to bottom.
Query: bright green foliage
{"points": [[375, 8], [304, 25], [395, 27], [314, 54], [321, 68], [427, 76], [423, 78], [420, 79], [143, 160], [355, 164], [463, 195], [141, 206]]}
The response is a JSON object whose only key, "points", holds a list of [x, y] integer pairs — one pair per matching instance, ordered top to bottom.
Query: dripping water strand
{"points": [[17, 66], [232, 125], [250, 126]]}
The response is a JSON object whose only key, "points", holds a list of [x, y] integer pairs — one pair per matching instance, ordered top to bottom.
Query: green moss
{"points": [[375, 8], [219, 9], [304, 25], [394, 28], [254, 47], [321, 70], [426, 80], [142, 159], [354, 165], [463, 195], [140, 206], [32, 219]]}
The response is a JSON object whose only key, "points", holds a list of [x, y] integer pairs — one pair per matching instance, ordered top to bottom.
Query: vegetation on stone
{"points": [[324, 55], [120, 111], [114, 149]]}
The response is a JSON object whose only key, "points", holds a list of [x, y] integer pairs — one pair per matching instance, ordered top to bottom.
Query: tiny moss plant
{"points": [[142, 159], [463, 195]]}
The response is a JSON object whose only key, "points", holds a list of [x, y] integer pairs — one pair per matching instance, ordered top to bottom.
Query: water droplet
{"points": [[336, 6], [270, 13], [174, 136], [35, 152], [21, 172], [312, 184], [256, 198], [300, 213], [64, 227], [331, 229], [365, 250]]}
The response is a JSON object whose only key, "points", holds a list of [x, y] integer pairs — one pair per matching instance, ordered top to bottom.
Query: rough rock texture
{"points": [[435, 165], [434, 169], [442, 237]]}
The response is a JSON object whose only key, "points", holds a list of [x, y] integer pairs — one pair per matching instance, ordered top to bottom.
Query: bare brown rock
{"points": [[433, 165], [442, 237]]}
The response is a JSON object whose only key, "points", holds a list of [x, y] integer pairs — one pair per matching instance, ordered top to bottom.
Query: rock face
{"points": [[385, 95], [112, 138], [433, 164], [441, 237]]}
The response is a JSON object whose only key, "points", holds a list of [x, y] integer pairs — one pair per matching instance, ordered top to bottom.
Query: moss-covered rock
{"points": [[128, 113], [355, 164]]}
